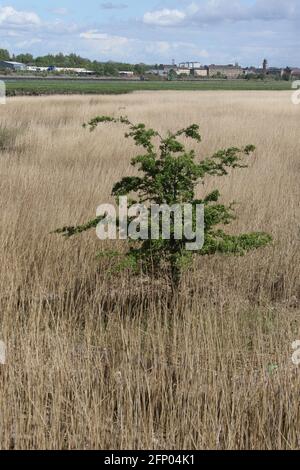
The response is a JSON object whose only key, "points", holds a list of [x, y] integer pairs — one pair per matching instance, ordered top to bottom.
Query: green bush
{"points": [[169, 174]]}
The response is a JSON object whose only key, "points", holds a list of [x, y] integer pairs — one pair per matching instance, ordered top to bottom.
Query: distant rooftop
{"points": [[11, 63], [228, 66]]}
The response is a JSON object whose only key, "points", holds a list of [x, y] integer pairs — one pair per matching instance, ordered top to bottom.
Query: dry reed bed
{"points": [[96, 361]]}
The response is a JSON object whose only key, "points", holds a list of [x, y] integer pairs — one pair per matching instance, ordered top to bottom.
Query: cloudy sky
{"points": [[153, 31]]}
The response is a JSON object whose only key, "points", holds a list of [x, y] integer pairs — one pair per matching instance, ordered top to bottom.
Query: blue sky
{"points": [[208, 31]]}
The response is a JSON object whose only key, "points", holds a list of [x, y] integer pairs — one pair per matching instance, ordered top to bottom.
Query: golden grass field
{"points": [[100, 362]]}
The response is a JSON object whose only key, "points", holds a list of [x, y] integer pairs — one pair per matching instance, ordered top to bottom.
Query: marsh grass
{"points": [[8, 138], [96, 360]]}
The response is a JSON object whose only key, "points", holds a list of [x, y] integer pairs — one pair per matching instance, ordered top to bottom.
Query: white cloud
{"points": [[192, 8], [269, 10], [222, 11], [11, 17], [164, 17], [59, 27], [203, 30], [27, 43], [105, 43], [158, 47], [165, 48], [136, 49], [202, 53]]}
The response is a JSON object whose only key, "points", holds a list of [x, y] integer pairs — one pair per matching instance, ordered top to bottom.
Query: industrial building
{"points": [[9, 65], [190, 65], [18, 66], [34, 68], [162, 70], [196, 70], [77, 71], [182, 71], [225, 71], [200, 72], [295, 73], [127, 74]]}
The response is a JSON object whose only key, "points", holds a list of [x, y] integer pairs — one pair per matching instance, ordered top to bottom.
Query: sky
{"points": [[153, 31]]}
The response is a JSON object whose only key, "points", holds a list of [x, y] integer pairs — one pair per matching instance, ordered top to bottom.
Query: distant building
{"points": [[8, 65], [190, 65], [31, 68], [34, 68], [187, 69], [195, 69], [75, 70], [162, 70], [80, 71], [182, 71], [225, 71], [250, 71], [274, 71], [200, 72], [295, 73], [126, 74]]}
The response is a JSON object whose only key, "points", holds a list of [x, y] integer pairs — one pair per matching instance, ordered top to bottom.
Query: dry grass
{"points": [[96, 362]]}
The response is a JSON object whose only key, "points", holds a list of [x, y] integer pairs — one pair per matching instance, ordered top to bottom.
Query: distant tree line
{"points": [[73, 60]]}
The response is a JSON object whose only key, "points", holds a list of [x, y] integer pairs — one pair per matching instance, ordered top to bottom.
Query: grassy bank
{"points": [[48, 87]]}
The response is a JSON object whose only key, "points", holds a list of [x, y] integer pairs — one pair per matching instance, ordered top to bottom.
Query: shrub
{"points": [[169, 174]]}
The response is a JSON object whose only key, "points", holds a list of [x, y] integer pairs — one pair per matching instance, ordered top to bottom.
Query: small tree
{"points": [[4, 54], [287, 73], [172, 75], [169, 174]]}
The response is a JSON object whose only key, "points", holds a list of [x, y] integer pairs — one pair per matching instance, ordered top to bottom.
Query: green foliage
{"points": [[4, 54], [25, 58], [73, 60], [287, 74], [172, 75], [48, 87], [169, 174]]}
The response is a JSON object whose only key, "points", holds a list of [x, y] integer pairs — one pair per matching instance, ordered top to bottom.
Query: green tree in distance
{"points": [[4, 54], [25, 58]]}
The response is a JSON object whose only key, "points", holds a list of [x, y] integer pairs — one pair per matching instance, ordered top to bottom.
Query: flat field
{"points": [[58, 86], [100, 361]]}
